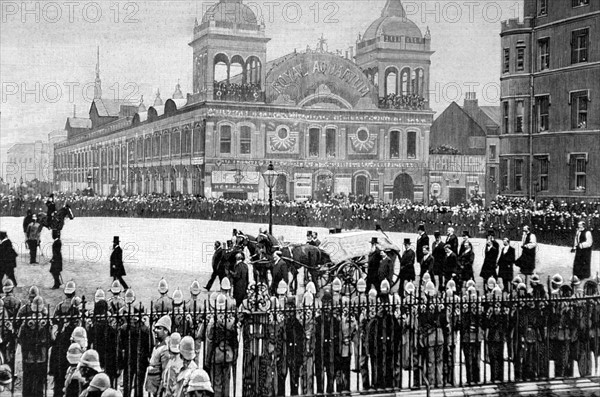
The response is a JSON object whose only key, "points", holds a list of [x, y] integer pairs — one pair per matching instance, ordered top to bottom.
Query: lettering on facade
{"points": [[297, 72], [457, 163], [407, 165]]}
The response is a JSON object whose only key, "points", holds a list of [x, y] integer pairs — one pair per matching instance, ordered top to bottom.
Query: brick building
{"points": [[550, 88]]}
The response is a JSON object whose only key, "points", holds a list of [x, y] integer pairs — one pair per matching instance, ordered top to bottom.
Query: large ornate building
{"points": [[550, 87], [329, 124]]}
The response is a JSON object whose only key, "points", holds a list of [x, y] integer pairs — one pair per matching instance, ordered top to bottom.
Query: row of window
{"points": [[542, 9], [580, 44], [579, 113], [514, 168]]}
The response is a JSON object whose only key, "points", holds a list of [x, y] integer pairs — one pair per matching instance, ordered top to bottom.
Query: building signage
{"points": [[301, 75], [316, 116], [457, 163], [406, 165], [242, 181], [303, 186], [232, 187]]}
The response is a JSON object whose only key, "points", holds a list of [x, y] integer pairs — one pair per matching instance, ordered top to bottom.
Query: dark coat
{"points": [[28, 219], [422, 241], [453, 241], [439, 255], [8, 256], [583, 257], [527, 259], [57, 260], [465, 260], [116, 263], [505, 264], [407, 265], [428, 265], [450, 265], [373, 269], [488, 269], [386, 270], [279, 272], [239, 279]]}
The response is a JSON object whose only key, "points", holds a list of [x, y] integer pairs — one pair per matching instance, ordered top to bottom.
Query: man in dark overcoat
{"points": [[422, 240], [492, 248], [528, 251], [583, 252], [439, 257], [8, 258], [506, 260], [56, 263], [373, 265], [407, 265], [117, 269]]}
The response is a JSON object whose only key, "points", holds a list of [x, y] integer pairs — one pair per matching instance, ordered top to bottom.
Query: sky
{"points": [[48, 50]]}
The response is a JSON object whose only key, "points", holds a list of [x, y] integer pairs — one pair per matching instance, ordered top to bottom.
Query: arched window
{"points": [[221, 68], [236, 70], [253, 70], [391, 81], [413, 82], [420, 82], [404, 87], [198, 138], [225, 139], [245, 139], [313, 142], [165, 143], [186, 144], [411, 144], [156, 146], [140, 149], [361, 185]]}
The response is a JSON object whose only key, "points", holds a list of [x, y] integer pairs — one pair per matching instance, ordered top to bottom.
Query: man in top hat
{"points": [[51, 208], [27, 220], [309, 237], [33, 238], [315, 239], [422, 240], [452, 240], [463, 244], [582, 247], [492, 248], [528, 252], [439, 255], [8, 258], [506, 260], [56, 263], [427, 263], [373, 264], [218, 265], [407, 265], [386, 269], [117, 270], [279, 272], [239, 277]]}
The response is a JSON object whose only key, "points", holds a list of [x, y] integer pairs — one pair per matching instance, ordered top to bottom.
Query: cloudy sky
{"points": [[48, 49]]}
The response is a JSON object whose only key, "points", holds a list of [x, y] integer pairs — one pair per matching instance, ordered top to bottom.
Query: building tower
{"points": [[229, 46], [394, 54], [98, 82]]}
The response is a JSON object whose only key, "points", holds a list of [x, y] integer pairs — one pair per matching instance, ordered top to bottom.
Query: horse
{"points": [[58, 220], [306, 256], [260, 258]]}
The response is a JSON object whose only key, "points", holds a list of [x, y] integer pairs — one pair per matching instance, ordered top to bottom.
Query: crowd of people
{"points": [[553, 222], [302, 343]]}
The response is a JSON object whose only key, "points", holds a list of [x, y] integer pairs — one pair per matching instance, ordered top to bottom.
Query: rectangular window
{"points": [[578, 3], [542, 7], [579, 45], [544, 53], [520, 59], [506, 66], [542, 104], [579, 109], [505, 115], [519, 117], [198, 139], [225, 139], [245, 139], [175, 142], [313, 142], [330, 142], [165, 144], [186, 144], [395, 144], [411, 144], [156, 146], [131, 151], [492, 152], [543, 164], [578, 170], [518, 175], [504, 176]]}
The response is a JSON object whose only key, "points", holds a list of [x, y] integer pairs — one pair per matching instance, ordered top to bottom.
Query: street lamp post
{"points": [[270, 177]]}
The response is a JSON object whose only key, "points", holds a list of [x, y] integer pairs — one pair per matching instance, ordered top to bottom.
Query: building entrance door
{"points": [[404, 188]]}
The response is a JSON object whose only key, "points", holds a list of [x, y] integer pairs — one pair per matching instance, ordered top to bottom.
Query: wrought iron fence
{"points": [[300, 346]]}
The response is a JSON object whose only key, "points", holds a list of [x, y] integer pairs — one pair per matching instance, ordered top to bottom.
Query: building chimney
{"points": [[471, 104]]}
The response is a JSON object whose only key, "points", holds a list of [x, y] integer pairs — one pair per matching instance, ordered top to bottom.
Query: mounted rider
{"points": [[51, 208], [269, 241]]}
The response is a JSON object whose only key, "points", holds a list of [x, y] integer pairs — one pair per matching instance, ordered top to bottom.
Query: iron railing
{"points": [[278, 346]]}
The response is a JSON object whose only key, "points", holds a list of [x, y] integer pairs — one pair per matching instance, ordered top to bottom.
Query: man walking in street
{"points": [[33, 238], [582, 248], [528, 251], [8, 258], [56, 263], [407, 266], [218, 267], [117, 269]]}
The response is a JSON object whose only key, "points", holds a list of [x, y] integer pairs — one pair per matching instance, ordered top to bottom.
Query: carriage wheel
{"points": [[349, 273], [324, 278]]}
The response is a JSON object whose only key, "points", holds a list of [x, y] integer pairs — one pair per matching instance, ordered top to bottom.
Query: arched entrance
{"points": [[361, 184], [323, 188], [404, 188]]}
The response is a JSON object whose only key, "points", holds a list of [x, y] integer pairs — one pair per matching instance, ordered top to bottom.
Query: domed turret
{"points": [[233, 11], [393, 22]]}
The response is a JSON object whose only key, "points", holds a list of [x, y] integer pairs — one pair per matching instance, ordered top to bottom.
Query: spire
{"points": [[393, 8], [98, 83], [177, 94], [158, 101], [141, 106]]}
